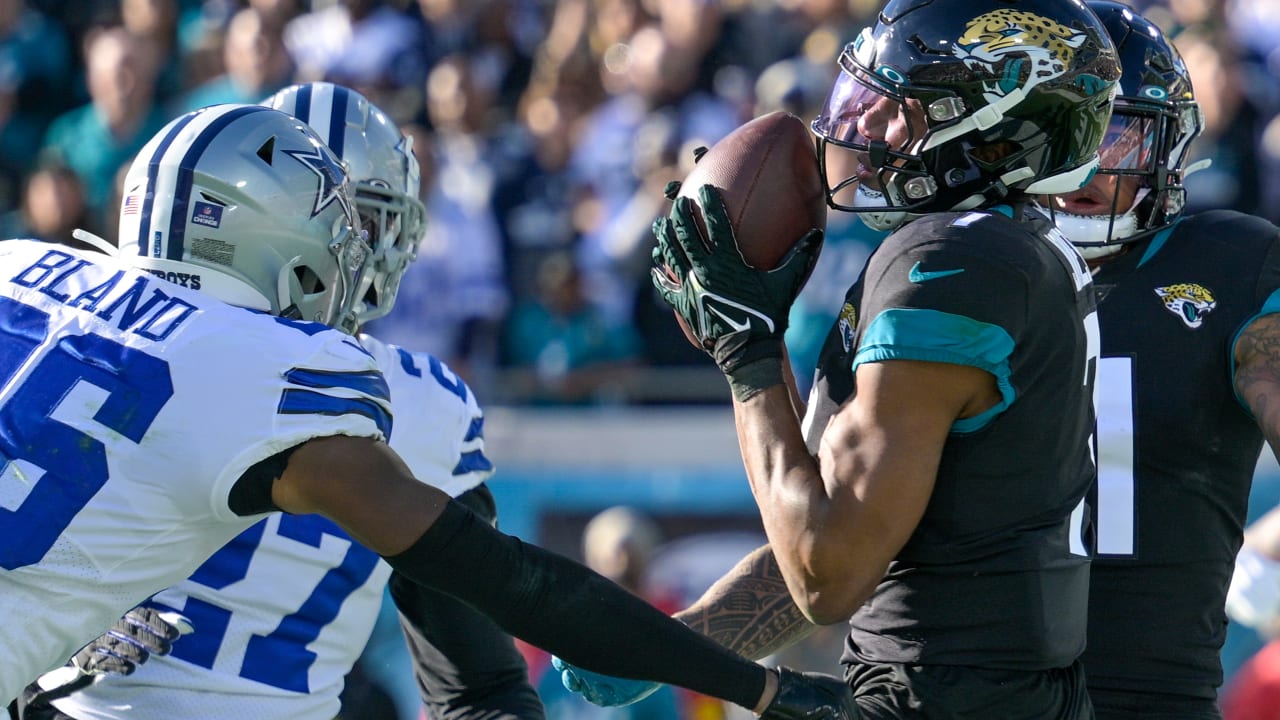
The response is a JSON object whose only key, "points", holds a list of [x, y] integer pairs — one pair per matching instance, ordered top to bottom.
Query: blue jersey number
{"points": [[47, 428], [280, 659]]}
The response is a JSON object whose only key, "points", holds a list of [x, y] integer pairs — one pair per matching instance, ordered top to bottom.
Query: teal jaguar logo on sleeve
{"points": [[1189, 301], [848, 325]]}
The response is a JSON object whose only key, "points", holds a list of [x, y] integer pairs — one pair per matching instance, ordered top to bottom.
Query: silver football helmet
{"points": [[384, 175], [249, 205]]}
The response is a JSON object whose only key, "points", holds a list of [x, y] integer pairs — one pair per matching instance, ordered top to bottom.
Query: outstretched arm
{"points": [[543, 598]]}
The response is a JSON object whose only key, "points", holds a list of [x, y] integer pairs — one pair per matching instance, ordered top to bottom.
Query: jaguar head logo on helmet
{"points": [[951, 106]]}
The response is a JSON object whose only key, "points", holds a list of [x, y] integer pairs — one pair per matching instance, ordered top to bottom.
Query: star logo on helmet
{"points": [[332, 177]]}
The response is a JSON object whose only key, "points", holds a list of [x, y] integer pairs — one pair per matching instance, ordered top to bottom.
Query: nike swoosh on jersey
{"points": [[918, 276]]}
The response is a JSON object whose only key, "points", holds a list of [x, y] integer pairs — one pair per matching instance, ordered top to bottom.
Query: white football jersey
{"points": [[129, 407], [283, 611]]}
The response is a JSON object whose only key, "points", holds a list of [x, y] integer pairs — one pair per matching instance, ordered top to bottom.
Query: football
{"points": [[767, 174]]}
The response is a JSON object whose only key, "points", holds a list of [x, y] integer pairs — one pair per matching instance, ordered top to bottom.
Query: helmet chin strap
{"points": [[865, 197]]}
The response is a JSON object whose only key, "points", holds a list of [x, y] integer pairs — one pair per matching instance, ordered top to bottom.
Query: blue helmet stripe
{"points": [[302, 104], [338, 120], [153, 172], [186, 176]]}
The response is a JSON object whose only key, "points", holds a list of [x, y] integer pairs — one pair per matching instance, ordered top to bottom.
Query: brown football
{"points": [[768, 176]]}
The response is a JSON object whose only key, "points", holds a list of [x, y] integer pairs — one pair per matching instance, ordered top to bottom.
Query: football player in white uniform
{"points": [[155, 405], [276, 636]]}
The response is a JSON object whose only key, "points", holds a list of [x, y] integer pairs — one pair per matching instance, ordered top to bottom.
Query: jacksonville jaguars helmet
{"points": [[957, 105], [1154, 122], [384, 175], [246, 203]]}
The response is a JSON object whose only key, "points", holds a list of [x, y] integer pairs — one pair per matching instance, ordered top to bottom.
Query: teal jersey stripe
{"points": [[1157, 242], [936, 336]]}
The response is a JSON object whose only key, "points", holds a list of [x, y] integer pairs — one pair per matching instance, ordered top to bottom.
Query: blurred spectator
{"points": [[277, 12], [156, 23], [369, 45], [256, 65], [35, 71], [654, 97], [1232, 132], [98, 138], [534, 195], [52, 206], [565, 348], [618, 543]]}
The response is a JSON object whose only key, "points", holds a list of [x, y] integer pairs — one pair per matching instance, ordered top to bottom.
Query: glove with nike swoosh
{"points": [[737, 311]]}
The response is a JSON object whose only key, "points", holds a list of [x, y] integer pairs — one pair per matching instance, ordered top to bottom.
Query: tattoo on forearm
{"points": [[1258, 374], [750, 611]]}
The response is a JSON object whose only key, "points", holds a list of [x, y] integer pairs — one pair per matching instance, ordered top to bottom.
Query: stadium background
{"points": [[546, 129]]}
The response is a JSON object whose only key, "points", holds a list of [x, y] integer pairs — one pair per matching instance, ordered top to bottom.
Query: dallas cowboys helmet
{"points": [[957, 105], [1154, 122], [384, 175], [246, 203]]}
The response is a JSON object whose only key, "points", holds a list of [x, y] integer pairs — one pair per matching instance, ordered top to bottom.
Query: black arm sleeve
{"points": [[567, 609], [467, 668]]}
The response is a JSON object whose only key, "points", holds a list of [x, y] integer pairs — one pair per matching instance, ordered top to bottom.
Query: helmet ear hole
{"points": [[308, 280]]}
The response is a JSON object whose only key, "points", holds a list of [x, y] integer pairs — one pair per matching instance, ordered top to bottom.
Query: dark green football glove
{"points": [[739, 313]]}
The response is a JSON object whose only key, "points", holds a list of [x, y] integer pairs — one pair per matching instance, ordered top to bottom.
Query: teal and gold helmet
{"points": [[1155, 120]]}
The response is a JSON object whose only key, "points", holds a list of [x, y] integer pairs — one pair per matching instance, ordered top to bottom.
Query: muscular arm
{"points": [[1257, 376], [836, 522], [532, 594], [1253, 597], [749, 609]]}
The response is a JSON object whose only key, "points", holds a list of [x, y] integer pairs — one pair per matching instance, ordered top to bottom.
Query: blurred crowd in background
{"points": [[546, 130]]}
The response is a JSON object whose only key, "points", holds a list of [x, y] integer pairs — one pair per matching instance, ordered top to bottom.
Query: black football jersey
{"points": [[1177, 450], [991, 576]]}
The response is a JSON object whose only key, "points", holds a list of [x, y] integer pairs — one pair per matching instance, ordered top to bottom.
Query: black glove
{"points": [[141, 633], [811, 696]]}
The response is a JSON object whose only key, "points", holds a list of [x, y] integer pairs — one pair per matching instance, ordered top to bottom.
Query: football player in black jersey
{"points": [[1188, 391], [929, 492]]}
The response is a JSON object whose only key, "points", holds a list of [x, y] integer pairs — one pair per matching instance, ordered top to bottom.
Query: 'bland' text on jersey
{"points": [[114, 299]]}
